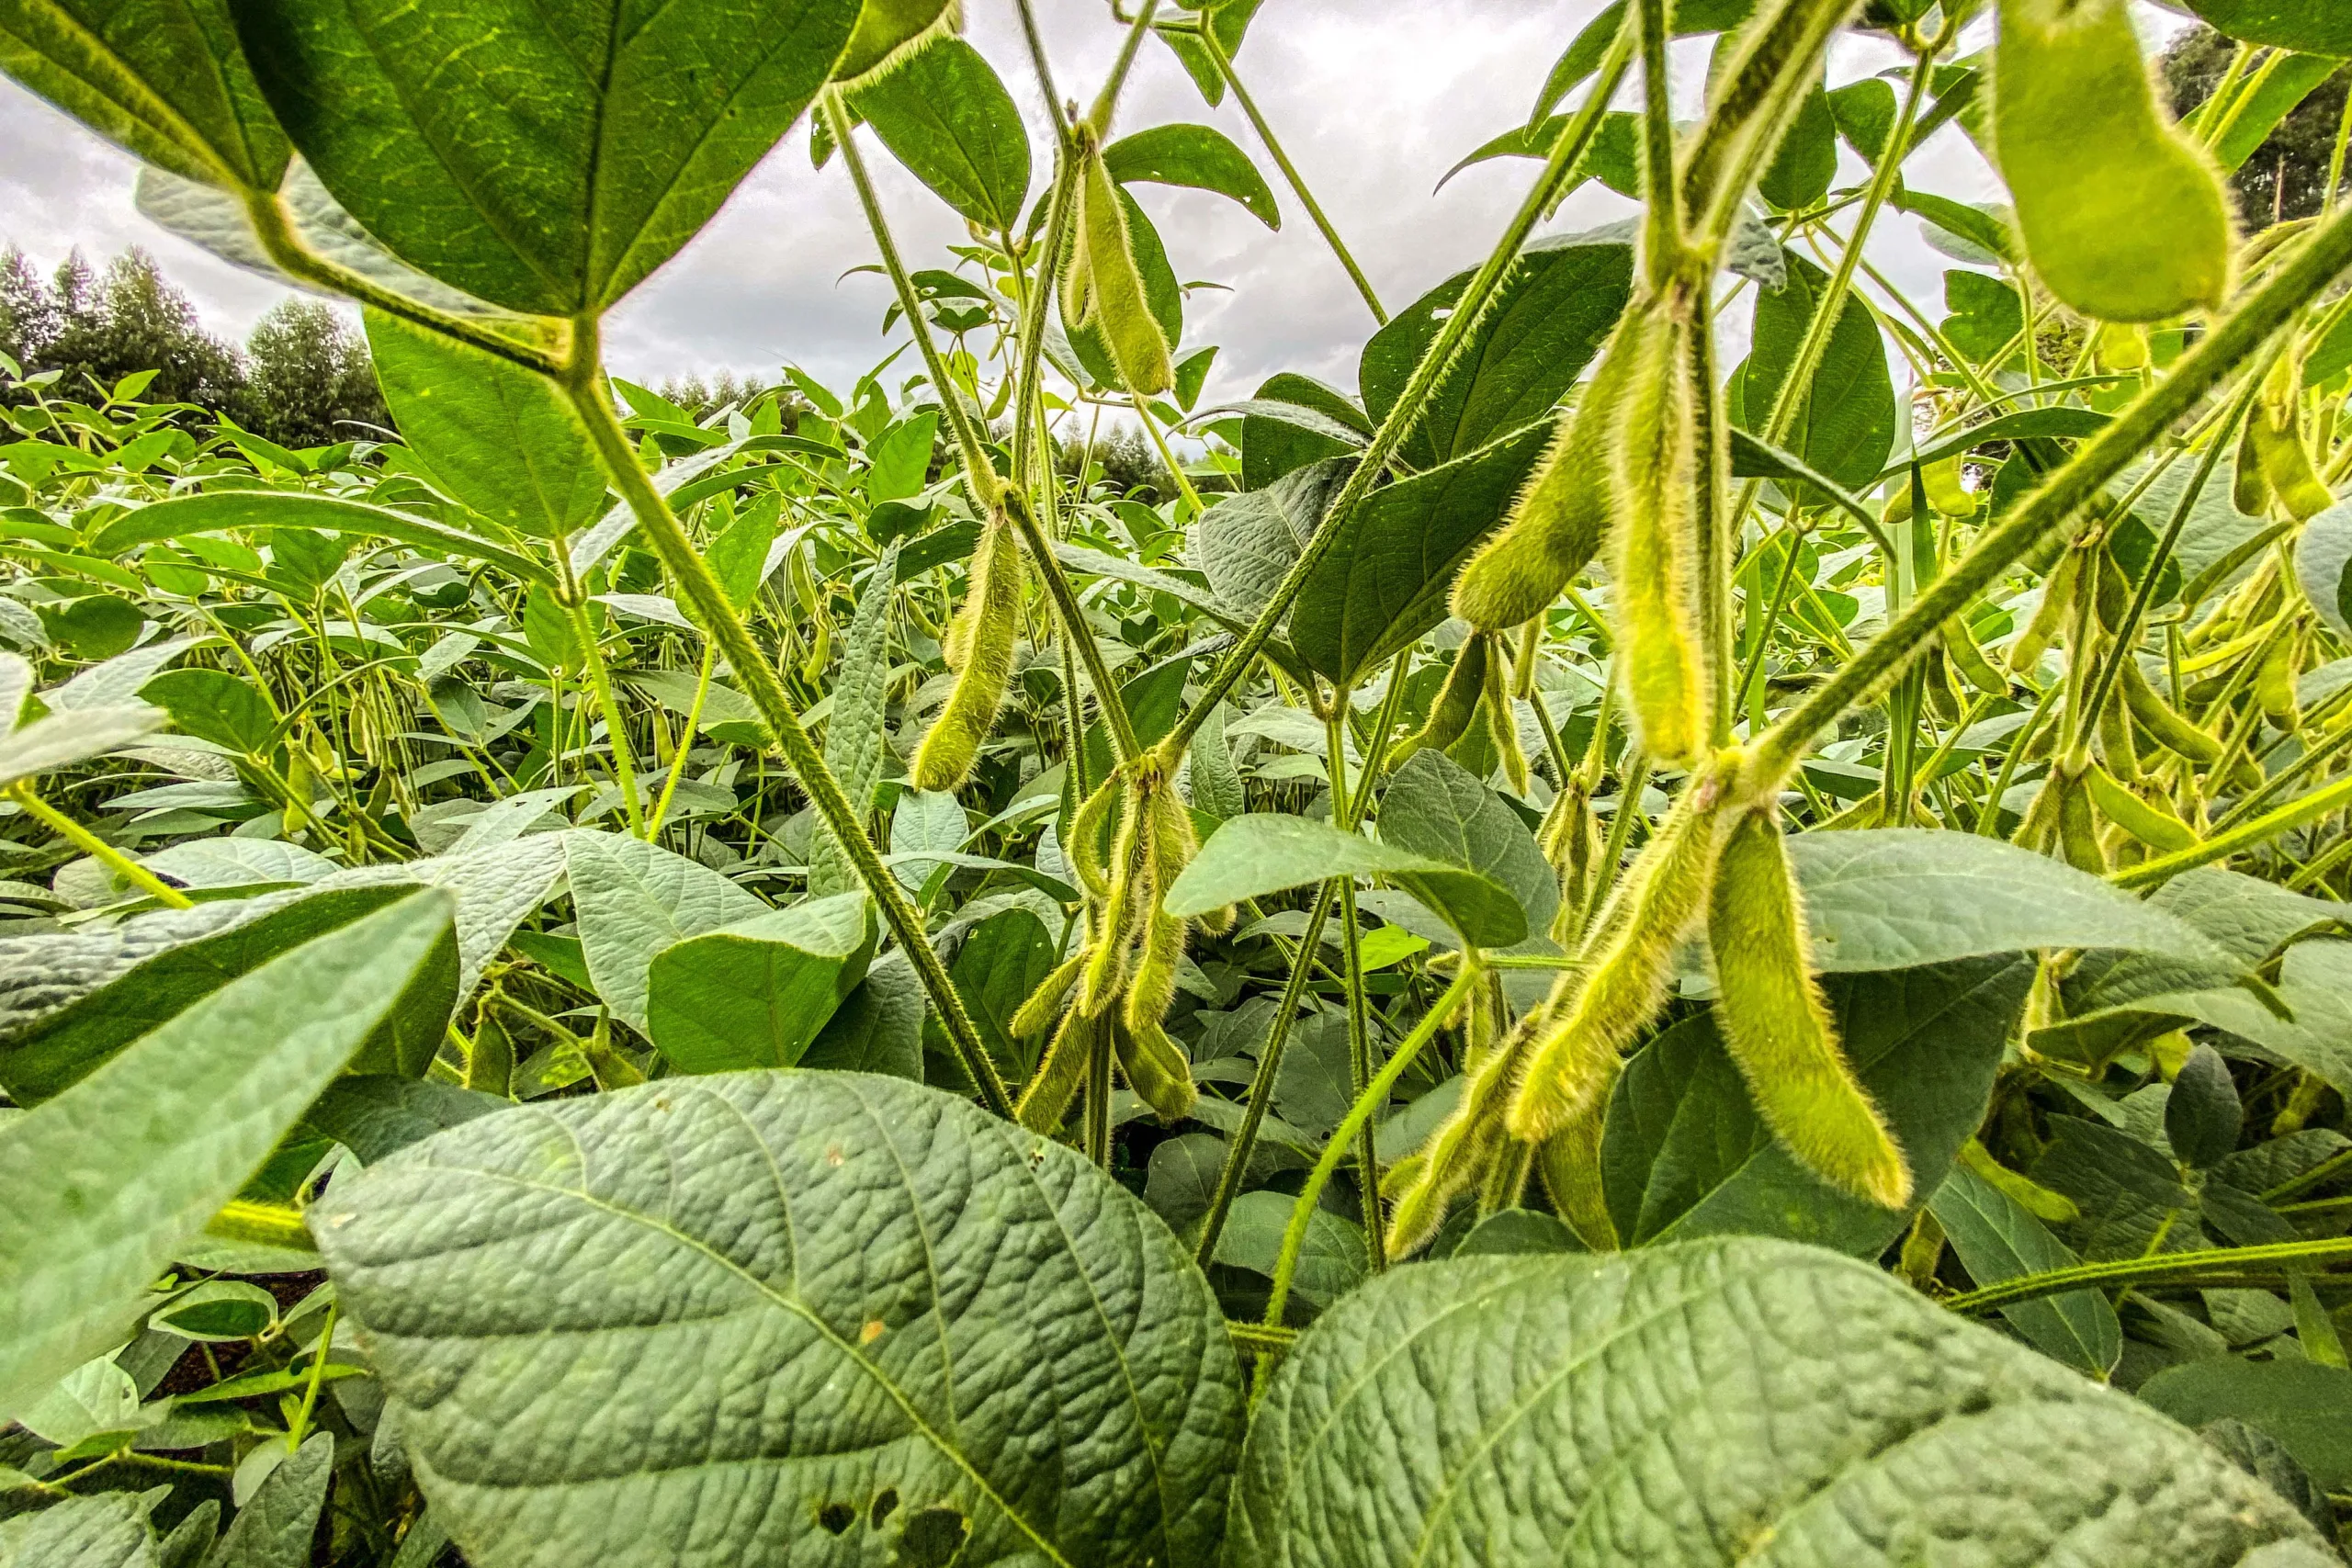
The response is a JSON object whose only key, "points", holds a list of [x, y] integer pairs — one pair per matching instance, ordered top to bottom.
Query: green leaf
{"points": [[2316, 27], [164, 80], [2274, 96], [944, 114], [1196, 156], [546, 160], [1801, 171], [1545, 323], [1292, 421], [1845, 425], [496, 437], [235, 510], [1245, 543], [2322, 551], [1383, 584], [215, 705], [75, 735], [856, 738], [1433, 806], [1262, 853], [1892, 897], [634, 902], [1002, 959], [754, 993], [73, 999], [878, 1026], [374, 1115], [1686, 1155], [111, 1176], [1997, 1239], [1331, 1262], [917, 1301], [218, 1311], [1704, 1403], [2305, 1405], [274, 1526], [109, 1530]]}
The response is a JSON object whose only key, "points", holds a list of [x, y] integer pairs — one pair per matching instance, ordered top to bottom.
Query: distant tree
{"points": [[2285, 177], [27, 310], [130, 318], [308, 377], [701, 398], [1128, 463]]}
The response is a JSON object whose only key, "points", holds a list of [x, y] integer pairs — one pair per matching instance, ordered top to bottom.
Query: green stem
{"points": [[1215, 47], [1106, 103], [1567, 154], [1662, 213], [2324, 255], [583, 383], [1159, 444], [600, 680], [685, 740], [1344, 811], [2244, 836], [89, 843], [1358, 1117], [262, 1225], [2284, 1257], [325, 1342]]}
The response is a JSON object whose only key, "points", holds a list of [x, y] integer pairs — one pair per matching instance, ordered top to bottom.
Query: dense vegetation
{"points": [[1625, 942]]}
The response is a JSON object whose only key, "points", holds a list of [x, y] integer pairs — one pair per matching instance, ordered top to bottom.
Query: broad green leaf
{"points": [[2316, 27], [164, 80], [2276, 96], [945, 113], [1197, 156], [545, 160], [1801, 171], [1548, 318], [1292, 421], [1845, 422], [497, 436], [900, 457], [228, 510], [1245, 543], [2218, 543], [2322, 551], [1383, 584], [16, 685], [215, 705], [727, 713], [72, 736], [856, 738], [1217, 790], [1433, 806], [925, 821], [1264, 854], [257, 864], [497, 886], [1892, 897], [634, 902], [2248, 918], [1002, 959], [754, 993], [73, 999], [879, 1027], [374, 1115], [1685, 1154], [110, 1177], [1997, 1239], [1331, 1262], [893, 1294], [218, 1311], [1721, 1401], [2305, 1405], [274, 1526], [107, 1531]]}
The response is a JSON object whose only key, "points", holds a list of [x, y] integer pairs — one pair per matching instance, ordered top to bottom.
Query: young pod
{"points": [[2123, 216], [1107, 288], [2275, 432], [2250, 479], [1561, 516], [1654, 564], [2057, 600], [992, 618], [1968, 659], [2274, 681], [1458, 702], [2161, 722], [1502, 724], [2153, 823], [2078, 840], [1084, 848], [1168, 848], [1105, 974], [1043, 1005], [1606, 1005], [1777, 1026], [1156, 1069], [1059, 1075], [1569, 1162]]}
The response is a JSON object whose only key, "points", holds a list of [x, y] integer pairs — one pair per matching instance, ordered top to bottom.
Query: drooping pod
{"points": [[2123, 217], [1104, 288], [2274, 441], [1562, 517], [1654, 550], [2048, 617], [987, 624], [1458, 702], [2161, 722], [1502, 724], [2153, 823], [1169, 847], [1105, 975], [1602, 1008], [1038, 1010], [1777, 1026], [1156, 1069], [1060, 1074], [1458, 1151], [1569, 1163]]}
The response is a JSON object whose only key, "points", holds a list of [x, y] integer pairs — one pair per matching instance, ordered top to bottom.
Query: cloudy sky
{"points": [[1374, 101]]}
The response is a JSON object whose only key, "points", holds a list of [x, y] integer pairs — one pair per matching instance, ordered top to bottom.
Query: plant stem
{"points": [[1215, 47], [1106, 103], [583, 385], [600, 680], [685, 741], [2246, 835], [89, 843], [262, 1225], [2284, 1257]]}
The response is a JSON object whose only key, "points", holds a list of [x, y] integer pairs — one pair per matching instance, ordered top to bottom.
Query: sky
{"points": [[1374, 101]]}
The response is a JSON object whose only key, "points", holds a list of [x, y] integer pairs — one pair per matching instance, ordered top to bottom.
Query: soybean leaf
{"points": [[2315, 27], [164, 80], [945, 115], [1197, 156], [546, 160], [1801, 171], [1545, 323], [1845, 420], [1301, 421], [497, 436], [235, 510], [1245, 543], [2321, 553], [1384, 582], [214, 706], [72, 736], [855, 736], [1433, 806], [1265, 853], [238, 862], [1890, 898], [636, 899], [1002, 959], [754, 993], [878, 1026], [374, 1115], [1685, 1154], [109, 1177], [1997, 1239], [1331, 1262], [930, 1305], [1806, 1401], [2307, 1406], [274, 1526], [109, 1530]]}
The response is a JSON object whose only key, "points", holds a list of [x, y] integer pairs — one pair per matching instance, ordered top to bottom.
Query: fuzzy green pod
{"points": [[889, 30], [2123, 217], [1106, 287], [2274, 437], [1561, 516], [1654, 566], [992, 609], [2050, 615], [1968, 659], [2274, 681], [1457, 703], [2161, 721], [1502, 724], [2151, 824], [2078, 841], [1169, 846], [1105, 976], [1042, 1005], [1605, 1006], [1777, 1028], [489, 1065], [1157, 1070], [1059, 1076], [1569, 1163], [1424, 1185]]}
